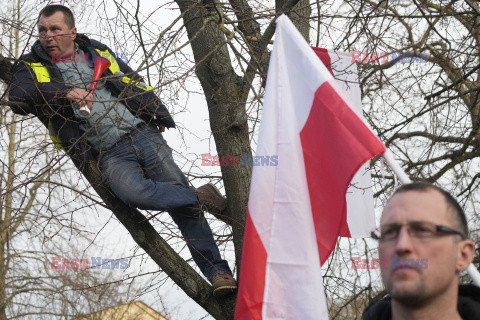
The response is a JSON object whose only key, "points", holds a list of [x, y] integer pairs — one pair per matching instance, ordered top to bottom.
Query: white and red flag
{"points": [[360, 205], [297, 209]]}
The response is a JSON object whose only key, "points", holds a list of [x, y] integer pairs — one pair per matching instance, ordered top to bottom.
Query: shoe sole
{"points": [[224, 290]]}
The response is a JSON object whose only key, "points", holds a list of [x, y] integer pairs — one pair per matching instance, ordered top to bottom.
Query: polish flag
{"points": [[359, 196], [297, 209]]}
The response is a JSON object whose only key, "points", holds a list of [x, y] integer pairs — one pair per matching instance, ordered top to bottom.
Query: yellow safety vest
{"points": [[114, 68], [42, 74]]}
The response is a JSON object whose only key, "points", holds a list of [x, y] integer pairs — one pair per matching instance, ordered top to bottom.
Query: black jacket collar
{"points": [[468, 305]]}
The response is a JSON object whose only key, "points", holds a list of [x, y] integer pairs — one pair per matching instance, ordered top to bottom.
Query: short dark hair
{"points": [[67, 13], [460, 217]]}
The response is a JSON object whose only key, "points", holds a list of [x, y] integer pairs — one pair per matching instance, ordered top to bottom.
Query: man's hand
{"points": [[80, 97]]}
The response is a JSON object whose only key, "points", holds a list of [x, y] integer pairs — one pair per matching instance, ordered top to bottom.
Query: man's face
{"points": [[55, 35], [445, 254]]}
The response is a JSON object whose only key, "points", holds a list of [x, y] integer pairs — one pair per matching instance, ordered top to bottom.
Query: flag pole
{"points": [[403, 178]]}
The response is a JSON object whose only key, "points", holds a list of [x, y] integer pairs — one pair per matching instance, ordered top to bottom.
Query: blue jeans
{"points": [[140, 170]]}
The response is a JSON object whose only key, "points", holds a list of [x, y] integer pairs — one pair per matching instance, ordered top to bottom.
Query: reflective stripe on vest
{"points": [[115, 68], [40, 71], [42, 74], [55, 139]]}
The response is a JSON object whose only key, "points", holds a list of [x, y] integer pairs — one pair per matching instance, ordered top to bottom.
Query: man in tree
{"points": [[122, 129], [422, 222]]}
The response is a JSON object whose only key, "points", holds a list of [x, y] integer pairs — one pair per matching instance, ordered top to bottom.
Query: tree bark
{"points": [[299, 14]]}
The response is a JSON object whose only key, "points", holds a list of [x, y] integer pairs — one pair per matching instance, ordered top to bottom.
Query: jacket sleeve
{"points": [[25, 88]]}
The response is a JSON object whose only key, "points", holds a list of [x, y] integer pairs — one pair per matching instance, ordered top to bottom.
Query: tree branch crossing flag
{"points": [[297, 209]]}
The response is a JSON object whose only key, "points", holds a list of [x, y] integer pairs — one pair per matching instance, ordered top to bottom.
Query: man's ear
{"points": [[74, 33], [466, 251]]}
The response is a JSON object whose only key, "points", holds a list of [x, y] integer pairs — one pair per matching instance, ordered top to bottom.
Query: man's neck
{"points": [[443, 307]]}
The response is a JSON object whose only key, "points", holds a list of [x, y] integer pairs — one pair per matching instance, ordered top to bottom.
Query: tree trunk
{"points": [[300, 15], [226, 98]]}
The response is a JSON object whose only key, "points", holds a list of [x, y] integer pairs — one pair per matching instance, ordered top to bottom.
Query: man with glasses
{"points": [[123, 130], [422, 222]]}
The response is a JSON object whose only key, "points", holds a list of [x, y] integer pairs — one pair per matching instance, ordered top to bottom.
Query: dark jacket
{"points": [[47, 101], [468, 305]]}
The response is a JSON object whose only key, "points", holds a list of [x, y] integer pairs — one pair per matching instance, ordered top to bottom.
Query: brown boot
{"points": [[211, 200], [223, 284]]}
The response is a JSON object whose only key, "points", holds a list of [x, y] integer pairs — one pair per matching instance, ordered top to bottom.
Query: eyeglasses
{"points": [[416, 229]]}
